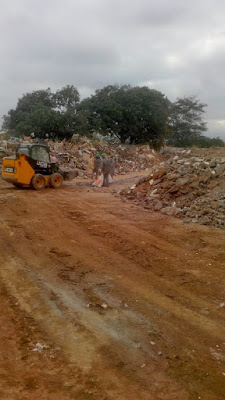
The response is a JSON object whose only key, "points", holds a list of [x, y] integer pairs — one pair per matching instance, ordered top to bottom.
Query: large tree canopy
{"points": [[45, 113], [132, 114], [137, 114], [186, 121]]}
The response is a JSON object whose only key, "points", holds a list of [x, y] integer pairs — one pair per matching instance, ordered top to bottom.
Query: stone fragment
{"points": [[220, 169], [159, 173], [206, 176], [182, 181], [158, 206], [171, 211], [205, 220]]}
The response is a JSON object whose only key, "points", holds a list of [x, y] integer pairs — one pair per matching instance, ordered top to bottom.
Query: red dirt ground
{"points": [[127, 303]]}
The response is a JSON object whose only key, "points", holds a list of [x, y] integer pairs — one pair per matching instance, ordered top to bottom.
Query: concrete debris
{"points": [[79, 152], [187, 186], [40, 347], [216, 355]]}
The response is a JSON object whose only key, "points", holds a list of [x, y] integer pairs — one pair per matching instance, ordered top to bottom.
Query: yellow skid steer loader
{"points": [[31, 166]]}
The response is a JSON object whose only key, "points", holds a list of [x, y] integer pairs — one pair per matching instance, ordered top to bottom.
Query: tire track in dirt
{"points": [[70, 261], [163, 301], [85, 342]]}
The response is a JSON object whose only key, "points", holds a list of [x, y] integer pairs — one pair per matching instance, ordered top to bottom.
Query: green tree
{"points": [[67, 99], [30, 101], [66, 103], [44, 112], [136, 114], [23, 119], [186, 121], [207, 142], [216, 142]]}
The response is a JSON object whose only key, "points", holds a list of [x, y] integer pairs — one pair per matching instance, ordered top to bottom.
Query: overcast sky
{"points": [[175, 46]]}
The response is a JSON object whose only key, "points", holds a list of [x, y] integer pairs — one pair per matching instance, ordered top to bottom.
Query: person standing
{"points": [[112, 165], [97, 166], [105, 170]]}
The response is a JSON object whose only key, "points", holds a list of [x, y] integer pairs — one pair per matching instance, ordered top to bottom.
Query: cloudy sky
{"points": [[175, 46]]}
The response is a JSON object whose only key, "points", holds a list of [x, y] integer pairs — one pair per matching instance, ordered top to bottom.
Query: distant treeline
{"points": [[132, 114]]}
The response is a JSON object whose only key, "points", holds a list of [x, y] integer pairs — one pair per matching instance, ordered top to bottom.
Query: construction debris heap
{"points": [[79, 152], [186, 186]]}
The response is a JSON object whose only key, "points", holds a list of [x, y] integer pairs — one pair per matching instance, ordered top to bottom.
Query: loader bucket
{"points": [[69, 175]]}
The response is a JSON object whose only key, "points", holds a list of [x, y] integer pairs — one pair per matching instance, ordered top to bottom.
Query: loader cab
{"points": [[22, 150], [35, 151]]}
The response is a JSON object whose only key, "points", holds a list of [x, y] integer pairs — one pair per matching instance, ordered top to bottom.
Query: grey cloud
{"points": [[173, 46]]}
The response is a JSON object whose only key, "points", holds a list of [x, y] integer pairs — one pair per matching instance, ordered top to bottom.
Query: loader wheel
{"points": [[56, 180], [38, 182]]}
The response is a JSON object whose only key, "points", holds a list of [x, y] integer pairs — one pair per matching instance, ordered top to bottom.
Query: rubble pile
{"points": [[8, 148], [3, 149], [79, 152], [186, 186]]}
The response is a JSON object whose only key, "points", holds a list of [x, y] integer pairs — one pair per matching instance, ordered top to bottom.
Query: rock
{"points": [[150, 156], [86, 157], [141, 157], [204, 164], [220, 169], [182, 171], [159, 173], [172, 176], [206, 176], [182, 181], [212, 184], [165, 185], [133, 187], [188, 187], [173, 189], [153, 193], [221, 203], [158, 206], [171, 211], [205, 211], [205, 220]]}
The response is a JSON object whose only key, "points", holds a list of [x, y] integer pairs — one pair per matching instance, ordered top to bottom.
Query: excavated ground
{"points": [[102, 300]]}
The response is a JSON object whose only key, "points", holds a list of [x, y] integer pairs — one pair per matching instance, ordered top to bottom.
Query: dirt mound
{"points": [[186, 186]]}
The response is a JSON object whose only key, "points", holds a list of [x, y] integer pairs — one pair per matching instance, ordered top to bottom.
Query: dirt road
{"points": [[102, 300]]}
